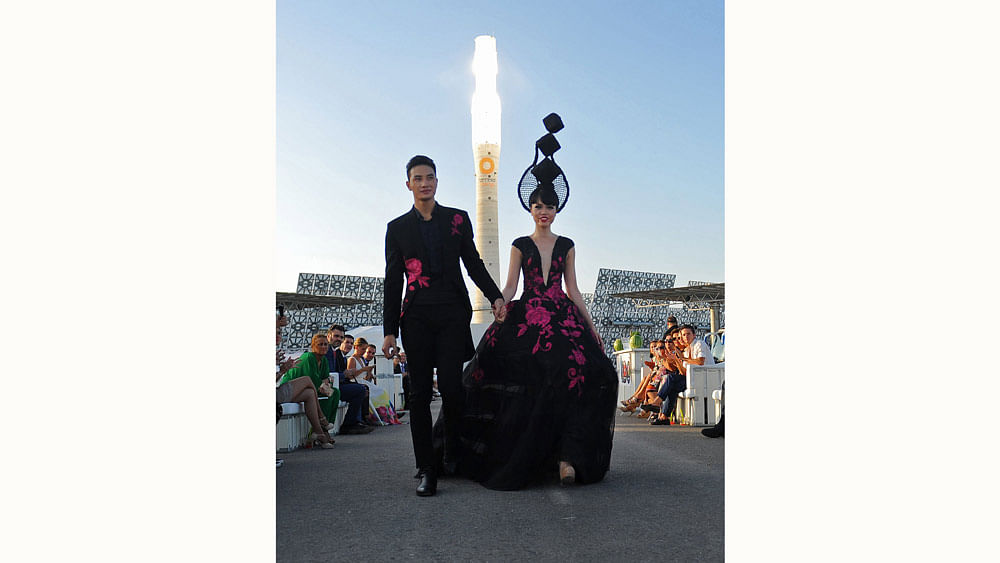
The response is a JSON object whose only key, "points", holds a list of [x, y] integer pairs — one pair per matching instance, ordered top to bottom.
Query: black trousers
{"points": [[434, 337]]}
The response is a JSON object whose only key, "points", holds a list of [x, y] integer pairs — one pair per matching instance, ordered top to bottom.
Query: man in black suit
{"points": [[424, 245]]}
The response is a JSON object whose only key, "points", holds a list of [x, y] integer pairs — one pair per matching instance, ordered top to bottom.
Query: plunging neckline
{"points": [[545, 277]]}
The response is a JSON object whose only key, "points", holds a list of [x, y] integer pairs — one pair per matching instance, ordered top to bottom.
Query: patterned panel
{"points": [[616, 317], [307, 322]]}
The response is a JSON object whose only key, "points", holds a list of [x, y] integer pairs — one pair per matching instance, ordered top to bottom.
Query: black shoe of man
{"points": [[717, 431], [712, 432], [428, 484]]}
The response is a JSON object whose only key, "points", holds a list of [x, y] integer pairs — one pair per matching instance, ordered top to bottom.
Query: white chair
{"points": [[701, 382], [717, 399], [688, 403], [293, 427]]}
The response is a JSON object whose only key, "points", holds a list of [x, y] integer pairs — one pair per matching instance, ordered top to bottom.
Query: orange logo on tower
{"points": [[487, 166]]}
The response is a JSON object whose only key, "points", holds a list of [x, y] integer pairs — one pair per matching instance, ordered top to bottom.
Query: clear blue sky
{"points": [[362, 87]]}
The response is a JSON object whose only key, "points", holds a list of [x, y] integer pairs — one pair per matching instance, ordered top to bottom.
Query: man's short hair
{"points": [[418, 161], [672, 319], [336, 327], [690, 327], [346, 336]]}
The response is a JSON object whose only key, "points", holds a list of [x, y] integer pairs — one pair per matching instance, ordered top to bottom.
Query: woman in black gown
{"points": [[540, 392]]}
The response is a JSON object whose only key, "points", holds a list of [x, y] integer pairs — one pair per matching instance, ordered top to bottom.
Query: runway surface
{"points": [[662, 500]]}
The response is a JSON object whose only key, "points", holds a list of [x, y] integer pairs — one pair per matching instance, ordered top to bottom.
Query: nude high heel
{"points": [[322, 440], [567, 475]]}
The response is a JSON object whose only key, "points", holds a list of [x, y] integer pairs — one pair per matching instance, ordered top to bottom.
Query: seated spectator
{"points": [[671, 323], [347, 346], [694, 352], [369, 358], [362, 363], [356, 364], [313, 366], [400, 366], [649, 383], [300, 390], [354, 394]]}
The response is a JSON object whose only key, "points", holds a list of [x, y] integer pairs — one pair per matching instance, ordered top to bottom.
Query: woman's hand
{"points": [[597, 336]]}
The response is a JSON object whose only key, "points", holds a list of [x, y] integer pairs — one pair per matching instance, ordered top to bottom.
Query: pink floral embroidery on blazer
{"points": [[455, 222], [413, 270]]}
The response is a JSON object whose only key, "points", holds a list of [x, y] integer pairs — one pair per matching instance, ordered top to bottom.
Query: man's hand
{"points": [[499, 310], [389, 345]]}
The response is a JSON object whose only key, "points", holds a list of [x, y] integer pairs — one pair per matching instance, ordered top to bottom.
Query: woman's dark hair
{"points": [[545, 195]]}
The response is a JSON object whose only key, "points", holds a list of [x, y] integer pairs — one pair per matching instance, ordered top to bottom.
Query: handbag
{"points": [[326, 389]]}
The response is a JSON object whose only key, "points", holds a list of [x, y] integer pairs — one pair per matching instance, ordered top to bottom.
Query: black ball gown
{"points": [[539, 390]]}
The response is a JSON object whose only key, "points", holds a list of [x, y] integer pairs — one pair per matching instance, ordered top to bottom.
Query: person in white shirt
{"points": [[696, 351]]}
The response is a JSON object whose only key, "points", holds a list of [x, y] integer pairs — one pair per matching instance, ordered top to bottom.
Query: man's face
{"points": [[423, 183], [687, 336], [335, 337], [347, 345], [369, 353], [402, 356]]}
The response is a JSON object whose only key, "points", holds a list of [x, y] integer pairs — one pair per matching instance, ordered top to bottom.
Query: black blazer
{"points": [[406, 259]]}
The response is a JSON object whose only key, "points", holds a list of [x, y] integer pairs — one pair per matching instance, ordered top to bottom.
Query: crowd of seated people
{"points": [[352, 392], [657, 393]]}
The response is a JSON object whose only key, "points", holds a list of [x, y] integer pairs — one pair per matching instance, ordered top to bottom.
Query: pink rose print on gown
{"points": [[456, 220], [413, 270], [554, 292], [537, 315], [570, 329], [491, 335], [543, 335], [577, 356], [575, 381]]}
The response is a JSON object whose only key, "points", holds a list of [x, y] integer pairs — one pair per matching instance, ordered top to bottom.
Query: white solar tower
{"points": [[486, 153]]}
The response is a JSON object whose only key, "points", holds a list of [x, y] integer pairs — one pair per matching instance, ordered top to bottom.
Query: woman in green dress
{"points": [[313, 365]]}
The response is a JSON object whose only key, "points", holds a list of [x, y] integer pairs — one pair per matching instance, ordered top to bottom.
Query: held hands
{"points": [[499, 310]]}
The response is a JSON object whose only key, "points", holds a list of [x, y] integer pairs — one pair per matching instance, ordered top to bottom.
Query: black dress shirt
{"points": [[439, 292]]}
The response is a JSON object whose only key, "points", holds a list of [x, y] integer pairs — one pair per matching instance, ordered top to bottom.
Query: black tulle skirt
{"points": [[539, 390]]}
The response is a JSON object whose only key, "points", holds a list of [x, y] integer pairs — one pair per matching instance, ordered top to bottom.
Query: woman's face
{"points": [[542, 213], [320, 345], [661, 350]]}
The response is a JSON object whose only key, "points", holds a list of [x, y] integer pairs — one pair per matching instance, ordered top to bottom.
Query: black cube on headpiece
{"points": [[553, 123], [545, 174]]}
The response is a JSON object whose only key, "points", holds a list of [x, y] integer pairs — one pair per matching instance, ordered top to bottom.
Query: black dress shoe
{"points": [[711, 432], [428, 484]]}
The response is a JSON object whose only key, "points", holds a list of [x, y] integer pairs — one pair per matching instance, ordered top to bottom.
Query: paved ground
{"points": [[662, 500]]}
